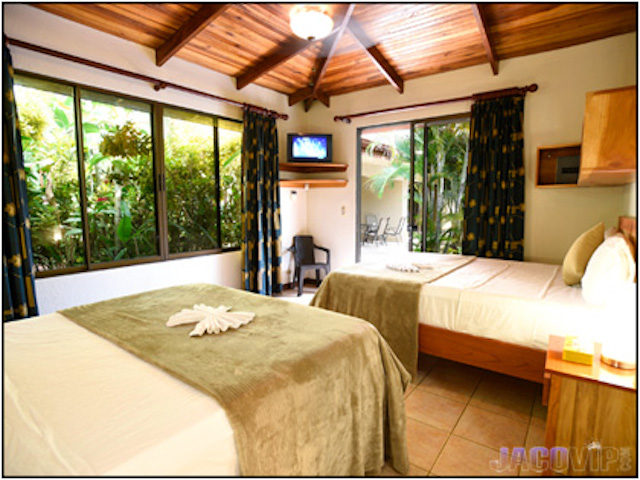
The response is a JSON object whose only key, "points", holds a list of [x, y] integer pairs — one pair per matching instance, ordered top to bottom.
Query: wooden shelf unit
{"points": [[609, 138], [547, 165], [313, 167], [314, 183]]}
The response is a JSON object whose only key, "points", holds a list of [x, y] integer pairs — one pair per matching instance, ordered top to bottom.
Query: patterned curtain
{"points": [[494, 201], [261, 205], [18, 270]]}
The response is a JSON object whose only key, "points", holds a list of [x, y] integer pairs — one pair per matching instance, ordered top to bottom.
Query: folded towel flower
{"points": [[403, 267], [210, 319]]}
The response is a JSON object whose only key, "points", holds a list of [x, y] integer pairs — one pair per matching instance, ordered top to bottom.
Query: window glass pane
{"points": [[47, 124], [230, 148], [446, 169], [119, 177], [192, 211]]}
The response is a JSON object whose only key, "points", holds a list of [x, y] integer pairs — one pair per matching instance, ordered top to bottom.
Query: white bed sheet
{"points": [[514, 302], [76, 404]]}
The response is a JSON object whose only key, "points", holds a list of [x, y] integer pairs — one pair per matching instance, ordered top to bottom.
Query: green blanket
{"points": [[389, 299], [307, 392]]}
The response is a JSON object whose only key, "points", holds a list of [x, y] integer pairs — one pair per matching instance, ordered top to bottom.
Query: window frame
{"points": [[158, 157]]}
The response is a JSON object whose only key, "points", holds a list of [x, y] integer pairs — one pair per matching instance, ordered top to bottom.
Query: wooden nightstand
{"points": [[592, 417]]}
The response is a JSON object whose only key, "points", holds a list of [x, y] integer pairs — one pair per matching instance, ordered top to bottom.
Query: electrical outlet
{"points": [[343, 210]]}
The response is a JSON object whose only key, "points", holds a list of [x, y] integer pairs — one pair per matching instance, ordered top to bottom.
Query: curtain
{"points": [[494, 200], [261, 204], [18, 270]]}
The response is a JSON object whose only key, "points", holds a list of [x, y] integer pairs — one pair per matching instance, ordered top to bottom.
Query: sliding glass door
{"points": [[439, 166], [411, 189]]}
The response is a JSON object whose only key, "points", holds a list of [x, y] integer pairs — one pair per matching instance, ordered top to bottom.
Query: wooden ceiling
{"points": [[372, 44]]}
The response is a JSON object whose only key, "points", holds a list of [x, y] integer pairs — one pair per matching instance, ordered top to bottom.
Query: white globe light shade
{"points": [[310, 23]]}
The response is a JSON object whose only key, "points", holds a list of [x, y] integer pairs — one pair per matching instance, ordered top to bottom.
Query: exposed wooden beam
{"points": [[483, 26], [192, 27], [329, 46], [291, 47], [376, 55], [300, 95], [322, 97], [307, 104]]}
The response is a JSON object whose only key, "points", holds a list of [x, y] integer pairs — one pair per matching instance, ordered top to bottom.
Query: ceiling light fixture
{"points": [[310, 22]]}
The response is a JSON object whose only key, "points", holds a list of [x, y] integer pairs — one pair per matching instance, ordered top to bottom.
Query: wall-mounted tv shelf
{"points": [[313, 167], [314, 183]]}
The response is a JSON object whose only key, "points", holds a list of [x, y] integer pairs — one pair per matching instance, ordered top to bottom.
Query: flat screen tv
{"points": [[309, 148]]}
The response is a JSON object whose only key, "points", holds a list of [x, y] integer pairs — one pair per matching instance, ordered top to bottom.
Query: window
{"points": [[46, 112], [230, 148], [413, 172], [118, 176], [122, 189], [192, 205]]}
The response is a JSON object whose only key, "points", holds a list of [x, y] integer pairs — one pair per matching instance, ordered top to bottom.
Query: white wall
{"points": [[32, 25], [553, 115], [293, 216], [66, 291]]}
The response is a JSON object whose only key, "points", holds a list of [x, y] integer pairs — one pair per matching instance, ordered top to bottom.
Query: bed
{"points": [[492, 314], [297, 391]]}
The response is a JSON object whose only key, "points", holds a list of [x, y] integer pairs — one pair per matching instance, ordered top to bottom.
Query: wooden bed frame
{"points": [[494, 355]]}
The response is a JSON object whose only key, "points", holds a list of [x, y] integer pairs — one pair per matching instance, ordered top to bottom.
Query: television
{"points": [[309, 148]]}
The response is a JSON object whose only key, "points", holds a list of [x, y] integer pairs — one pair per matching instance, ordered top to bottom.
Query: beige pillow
{"points": [[576, 259]]}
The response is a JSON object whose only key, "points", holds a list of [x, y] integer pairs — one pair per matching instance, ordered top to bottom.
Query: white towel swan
{"points": [[210, 319]]}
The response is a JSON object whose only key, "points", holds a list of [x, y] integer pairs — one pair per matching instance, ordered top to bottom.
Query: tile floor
{"points": [[291, 295], [459, 416]]}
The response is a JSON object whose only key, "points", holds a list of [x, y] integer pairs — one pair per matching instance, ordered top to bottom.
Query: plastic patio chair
{"points": [[304, 254]]}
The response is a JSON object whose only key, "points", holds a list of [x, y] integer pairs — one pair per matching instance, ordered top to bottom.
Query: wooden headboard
{"points": [[629, 227]]}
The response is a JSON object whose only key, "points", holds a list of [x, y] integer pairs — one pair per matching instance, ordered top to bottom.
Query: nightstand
{"points": [[592, 418]]}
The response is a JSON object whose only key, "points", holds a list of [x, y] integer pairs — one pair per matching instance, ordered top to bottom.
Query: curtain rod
{"points": [[157, 84], [476, 96]]}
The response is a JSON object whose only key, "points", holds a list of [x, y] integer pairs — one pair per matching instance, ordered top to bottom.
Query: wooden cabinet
{"points": [[609, 137], [558, 166], [312, 167], [592, 416]]}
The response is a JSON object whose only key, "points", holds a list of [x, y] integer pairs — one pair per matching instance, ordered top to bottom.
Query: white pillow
{"points": [[611, 265]]}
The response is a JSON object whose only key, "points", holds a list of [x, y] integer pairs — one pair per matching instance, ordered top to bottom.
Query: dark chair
{"points": [[369, 228], [304, 254]]}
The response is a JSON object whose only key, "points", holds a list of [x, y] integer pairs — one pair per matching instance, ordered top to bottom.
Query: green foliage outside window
{"points": [[51, 166], [119, 179], [119, 182], [191, 185], [230, 191]]}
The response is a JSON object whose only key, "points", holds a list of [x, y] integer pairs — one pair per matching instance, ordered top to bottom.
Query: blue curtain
{"points": [[494, 200], [261, 205], [18, 270]]}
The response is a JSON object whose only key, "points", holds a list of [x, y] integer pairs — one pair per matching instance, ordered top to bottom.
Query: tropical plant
{"points": [[51, 167], [445, 182], [191, 188], [120, 190], [230, 191]]}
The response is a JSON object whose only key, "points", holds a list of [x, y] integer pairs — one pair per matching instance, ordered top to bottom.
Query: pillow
{"points": [[610, 232], [576, 259], [610, 266]]}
